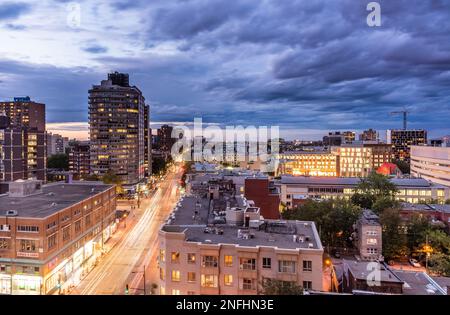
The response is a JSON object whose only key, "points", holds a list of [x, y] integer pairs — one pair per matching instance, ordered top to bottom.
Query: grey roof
{"points": [[353, 181], [55, 197], [426, 207], [273, 233], [363, 269], [418, 283]]}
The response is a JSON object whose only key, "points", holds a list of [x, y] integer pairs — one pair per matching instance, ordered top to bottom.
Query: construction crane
{"points": [[405, 117]]}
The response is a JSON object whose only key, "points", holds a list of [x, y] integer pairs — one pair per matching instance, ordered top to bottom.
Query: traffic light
{"points": [[126, 289]]}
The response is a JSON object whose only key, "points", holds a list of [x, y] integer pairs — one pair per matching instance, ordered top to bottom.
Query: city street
{"points": [[135, 248]]}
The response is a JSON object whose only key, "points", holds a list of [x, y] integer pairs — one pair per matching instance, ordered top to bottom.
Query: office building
{"points": [[117, 131], [369, 135], [349, 136], [333, 139], [402, 140], [56, 144], [23, 148], [79, 159], [354, 161], [320, 163], [431, 163], [296, 189], [52, 235], [231, 249]]}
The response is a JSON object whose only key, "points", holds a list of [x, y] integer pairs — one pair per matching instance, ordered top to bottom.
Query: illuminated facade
{"points": [[117, 129], [23, 140], [402, 140], [354, 161], [431, 163], [308, 164], [295, 190], [51, 238]]}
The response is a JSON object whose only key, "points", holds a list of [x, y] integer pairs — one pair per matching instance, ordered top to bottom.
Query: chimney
{"points": [[247, 221]]}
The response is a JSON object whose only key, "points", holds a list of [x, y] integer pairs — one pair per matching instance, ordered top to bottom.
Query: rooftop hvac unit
{"points": [[11, 213]]}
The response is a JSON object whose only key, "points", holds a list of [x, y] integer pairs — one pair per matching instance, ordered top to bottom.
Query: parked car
{"points": [[413, 262]]}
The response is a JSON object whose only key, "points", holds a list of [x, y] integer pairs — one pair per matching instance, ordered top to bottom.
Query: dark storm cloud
{"points": [[11, 10], [95, 49], [297, 63]]}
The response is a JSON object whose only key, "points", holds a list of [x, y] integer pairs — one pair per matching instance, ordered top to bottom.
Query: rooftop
{"points": [[353, 181], [55, 197], [426, 207], [194, 216], [362, 270], [419, 283]]}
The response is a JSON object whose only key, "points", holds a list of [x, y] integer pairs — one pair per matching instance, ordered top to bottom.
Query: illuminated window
{"points": [[371, 241], [162, 255], [175, 257], [191, 258], [228, 261], [176, 275], [191, 277], [228, 280], [209, 281], [175, 292]]}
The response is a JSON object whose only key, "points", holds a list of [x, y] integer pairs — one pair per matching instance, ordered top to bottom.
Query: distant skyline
{"points": [[307, 66]]}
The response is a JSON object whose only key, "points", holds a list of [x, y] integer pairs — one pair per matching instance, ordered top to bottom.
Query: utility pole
{"points": [[145, 287]]}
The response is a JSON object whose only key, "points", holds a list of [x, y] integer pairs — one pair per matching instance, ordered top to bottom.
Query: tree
{"points": [[58, 161], [403, 166], [111, 178], [371, 188], [383, 203], [334, 218], [418, 227], [394, 239], [439, 264], [279, 287]]}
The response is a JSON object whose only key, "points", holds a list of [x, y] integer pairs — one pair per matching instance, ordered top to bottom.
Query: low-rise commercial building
{"points": [[431, 163], [295, 189], [50, 236], [221, 245]]}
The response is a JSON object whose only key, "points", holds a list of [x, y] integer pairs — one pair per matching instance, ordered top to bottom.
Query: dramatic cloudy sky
{"points": [[307, 66]]}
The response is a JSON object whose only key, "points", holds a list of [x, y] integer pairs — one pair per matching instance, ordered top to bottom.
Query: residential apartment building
{"points": [[117, 131], [23, 140], [165, 140], [402, 140], [147, 142], [56, 144], [79, 159], [431, 163], [296, 189], [265, 196], [50, 236], [368, 236], [231, 250]]}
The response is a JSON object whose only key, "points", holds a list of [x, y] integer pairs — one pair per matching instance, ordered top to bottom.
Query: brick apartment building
{"points": [[264, 195]]}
